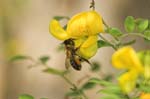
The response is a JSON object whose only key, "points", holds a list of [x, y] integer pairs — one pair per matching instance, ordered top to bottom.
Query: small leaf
{"points": [[61, 17], [129, 24], [141, 24], [115, 32], [147, 34], [102, 43], [19, 57], [44, 59], [95, 66], [55, 71], [108, 78], [100, 82], [88, 85], [145, 88], [111, 90], [26, 96], [111, 96]]}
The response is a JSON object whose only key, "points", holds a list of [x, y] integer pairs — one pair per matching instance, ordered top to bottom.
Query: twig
{"points": [[92, 5], [107, 26], [112, 45]]}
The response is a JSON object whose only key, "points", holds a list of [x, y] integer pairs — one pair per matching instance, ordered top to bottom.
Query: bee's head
{"points": [[69, 42]]}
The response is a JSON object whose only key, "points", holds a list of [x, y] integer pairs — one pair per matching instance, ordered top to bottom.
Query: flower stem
{"points": [[92, 5], [107, 26], [112, 45], [68, 81], [74, 86]]}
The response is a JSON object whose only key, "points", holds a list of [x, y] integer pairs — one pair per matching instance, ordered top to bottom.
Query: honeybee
{"points": [[72, 58]]}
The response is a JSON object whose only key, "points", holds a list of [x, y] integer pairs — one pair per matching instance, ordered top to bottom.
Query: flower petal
{"points": [[85, 24], [57, 31], [89, 47], [126, 58], [127, 81]]}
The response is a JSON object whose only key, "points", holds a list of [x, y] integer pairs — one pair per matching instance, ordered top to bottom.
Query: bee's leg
{"points": [[76, 49], [86, 60]]}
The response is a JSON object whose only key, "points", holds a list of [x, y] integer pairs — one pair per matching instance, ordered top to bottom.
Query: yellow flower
{"points": [[85, 24], [84, 28], [57, 31], [126, 58]]}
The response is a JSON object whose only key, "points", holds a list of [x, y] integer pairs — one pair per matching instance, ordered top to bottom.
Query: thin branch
{"points": [[92, 5], [107, 26], [112, 45]]}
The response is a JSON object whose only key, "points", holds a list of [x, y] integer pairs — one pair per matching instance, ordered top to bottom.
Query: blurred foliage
{"points": [[108, 89]]}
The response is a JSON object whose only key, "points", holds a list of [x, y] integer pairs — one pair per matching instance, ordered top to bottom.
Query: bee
{"points": [[72, 58]]}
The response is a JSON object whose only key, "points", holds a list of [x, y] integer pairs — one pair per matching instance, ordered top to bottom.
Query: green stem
{"points": [[92, 5], [107, 26], [112, 45], [69, 82], [84, 95]]}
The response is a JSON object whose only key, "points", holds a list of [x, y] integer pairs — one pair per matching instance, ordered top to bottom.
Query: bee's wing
{"points": [[67, 63]]}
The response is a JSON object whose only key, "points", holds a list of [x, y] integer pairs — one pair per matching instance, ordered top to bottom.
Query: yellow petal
{"points": [[85, 24], [57, 31], [89, 47], [126, 58], [127, 81]]}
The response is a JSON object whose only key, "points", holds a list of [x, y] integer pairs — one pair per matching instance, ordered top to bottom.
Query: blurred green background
{"points": [[24, 30]]}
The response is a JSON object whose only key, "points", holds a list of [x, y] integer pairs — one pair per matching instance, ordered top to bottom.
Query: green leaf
{"points": [[61, 17], [129, 24], [142, 24], [149, 24], [115, 32], [147, 34], [102, 43], [19, 57], [144, 57], [44, 59], [95, 66], [54, 71], [108, 78], [100, 82], [88, 85], [144, 88], [111, 90], [74, 93], [26, 96], [111, 96]]}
